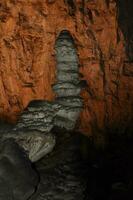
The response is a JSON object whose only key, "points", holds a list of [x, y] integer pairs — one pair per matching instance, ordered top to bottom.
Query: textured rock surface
{"points": [[103, 40], [67, 88], [65, 109], [37, 116], [43, 116], [34, 143], [63, 172], [18, 180]]}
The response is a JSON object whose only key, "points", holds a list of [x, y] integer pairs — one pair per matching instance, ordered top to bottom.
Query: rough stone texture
{"points": [[125, 20], [28, 31], [128, 69], [67, 88], [65, 109], [37, 116], [43, 116], [34, 143], [63, 173], [18, 180]]}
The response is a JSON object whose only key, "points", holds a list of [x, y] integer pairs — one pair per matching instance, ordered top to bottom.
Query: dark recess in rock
{"points": [[72, 6], [125, 20]]}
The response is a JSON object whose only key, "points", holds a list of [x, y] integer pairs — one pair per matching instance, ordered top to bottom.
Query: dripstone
{"points": [[68, 87], [42, 115]]}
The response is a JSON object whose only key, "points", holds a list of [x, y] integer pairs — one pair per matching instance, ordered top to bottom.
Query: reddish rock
{"points": [[28, 30]]}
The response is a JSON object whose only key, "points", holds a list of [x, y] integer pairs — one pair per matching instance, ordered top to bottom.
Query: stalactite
{"points": [[67, 88]]}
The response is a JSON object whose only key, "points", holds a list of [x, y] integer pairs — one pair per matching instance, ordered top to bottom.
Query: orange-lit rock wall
{"points": [[28, 30]]}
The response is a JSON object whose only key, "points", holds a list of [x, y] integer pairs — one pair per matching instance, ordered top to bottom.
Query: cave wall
{"points": [[125, 21], [28, 32]]}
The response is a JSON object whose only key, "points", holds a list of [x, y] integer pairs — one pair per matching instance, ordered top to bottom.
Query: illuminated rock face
{"points": [[28, 65], [67, 88], [65, 109], [37, 116]]}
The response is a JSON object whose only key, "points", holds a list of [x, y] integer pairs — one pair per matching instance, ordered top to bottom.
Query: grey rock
{"points": [[65, 55], [68, 66], [67, 77], [64, 85], [66, 89], [68, 92], [70, 101], [69, 113], [31, 115], [43, 115], [37, 116], [64, 123], [45, 128], [34, 143], [18, 180]]}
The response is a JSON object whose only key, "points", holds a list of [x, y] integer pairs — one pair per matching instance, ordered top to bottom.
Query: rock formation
{"points": [[103, 42], [67, 88], [65, 109], [37, 116], [34, 144], [18, 180]]}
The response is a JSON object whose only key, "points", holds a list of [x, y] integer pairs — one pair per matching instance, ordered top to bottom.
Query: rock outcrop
{"points": [[28, 66], [67, 88], [65, 109], [37, 116], [34, 144], [18, 180]]}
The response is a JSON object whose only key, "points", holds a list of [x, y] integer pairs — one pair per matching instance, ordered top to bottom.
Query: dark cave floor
{"points": [[76, 170], [70, 174]]}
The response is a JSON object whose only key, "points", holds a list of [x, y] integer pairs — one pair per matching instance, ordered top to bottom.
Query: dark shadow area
{"points": [[125, 20], [76, 169]]}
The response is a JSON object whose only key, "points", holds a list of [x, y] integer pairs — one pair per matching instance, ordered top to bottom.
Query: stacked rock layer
{"points": [[67, 88], [64, 111], [37, 116]]}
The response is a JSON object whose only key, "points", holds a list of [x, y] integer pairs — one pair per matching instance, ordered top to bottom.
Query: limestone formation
{"points": [[102, 33], [67, 89], [65, 109], [37, 116], [34, 143], [18, 180]]}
